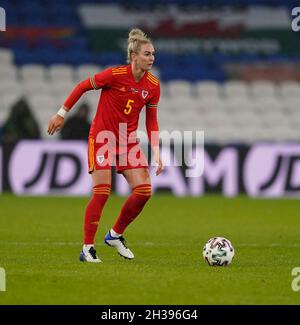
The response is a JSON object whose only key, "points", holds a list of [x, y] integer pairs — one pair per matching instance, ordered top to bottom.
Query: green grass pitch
{"points": [[40, 241]]}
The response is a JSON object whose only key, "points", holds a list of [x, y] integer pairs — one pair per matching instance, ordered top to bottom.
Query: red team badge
{"points": [[144, 93]]}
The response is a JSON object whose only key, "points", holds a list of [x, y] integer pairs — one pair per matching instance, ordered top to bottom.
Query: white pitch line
{"points": [[155, 244]]}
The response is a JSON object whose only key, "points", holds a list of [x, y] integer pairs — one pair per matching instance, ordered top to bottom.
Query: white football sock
{"points": [[114, 234], [87, 247]]}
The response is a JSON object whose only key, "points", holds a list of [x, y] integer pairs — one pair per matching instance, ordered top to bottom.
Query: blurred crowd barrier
{"points": [[60, 168]]}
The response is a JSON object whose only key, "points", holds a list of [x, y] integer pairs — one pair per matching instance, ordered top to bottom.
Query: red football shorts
{"points": [[100, 157]]}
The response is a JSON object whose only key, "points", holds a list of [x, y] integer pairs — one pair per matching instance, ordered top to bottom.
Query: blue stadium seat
{"points": [[24, 56], [77, 56], [109, 58]]}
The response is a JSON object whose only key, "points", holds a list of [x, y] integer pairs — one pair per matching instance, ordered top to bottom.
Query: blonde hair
{"points": [[136, 38]]}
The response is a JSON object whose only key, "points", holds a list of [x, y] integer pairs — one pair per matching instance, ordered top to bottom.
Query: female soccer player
{"points": [[112, 139]]}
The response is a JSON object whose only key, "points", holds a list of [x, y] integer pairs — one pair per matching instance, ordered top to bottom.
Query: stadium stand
{"points": [[47, 49]]}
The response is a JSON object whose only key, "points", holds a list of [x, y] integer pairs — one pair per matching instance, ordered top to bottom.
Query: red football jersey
{"points": [[122, 99]]}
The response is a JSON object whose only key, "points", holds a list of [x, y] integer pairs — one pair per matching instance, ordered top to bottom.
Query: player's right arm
{"points": [[100, 80]]}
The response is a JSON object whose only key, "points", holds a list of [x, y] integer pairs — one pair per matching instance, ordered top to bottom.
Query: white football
{"points": [[218, 251]]}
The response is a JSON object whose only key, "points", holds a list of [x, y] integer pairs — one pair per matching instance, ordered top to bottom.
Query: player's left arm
{"points": [[153, 128]]}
